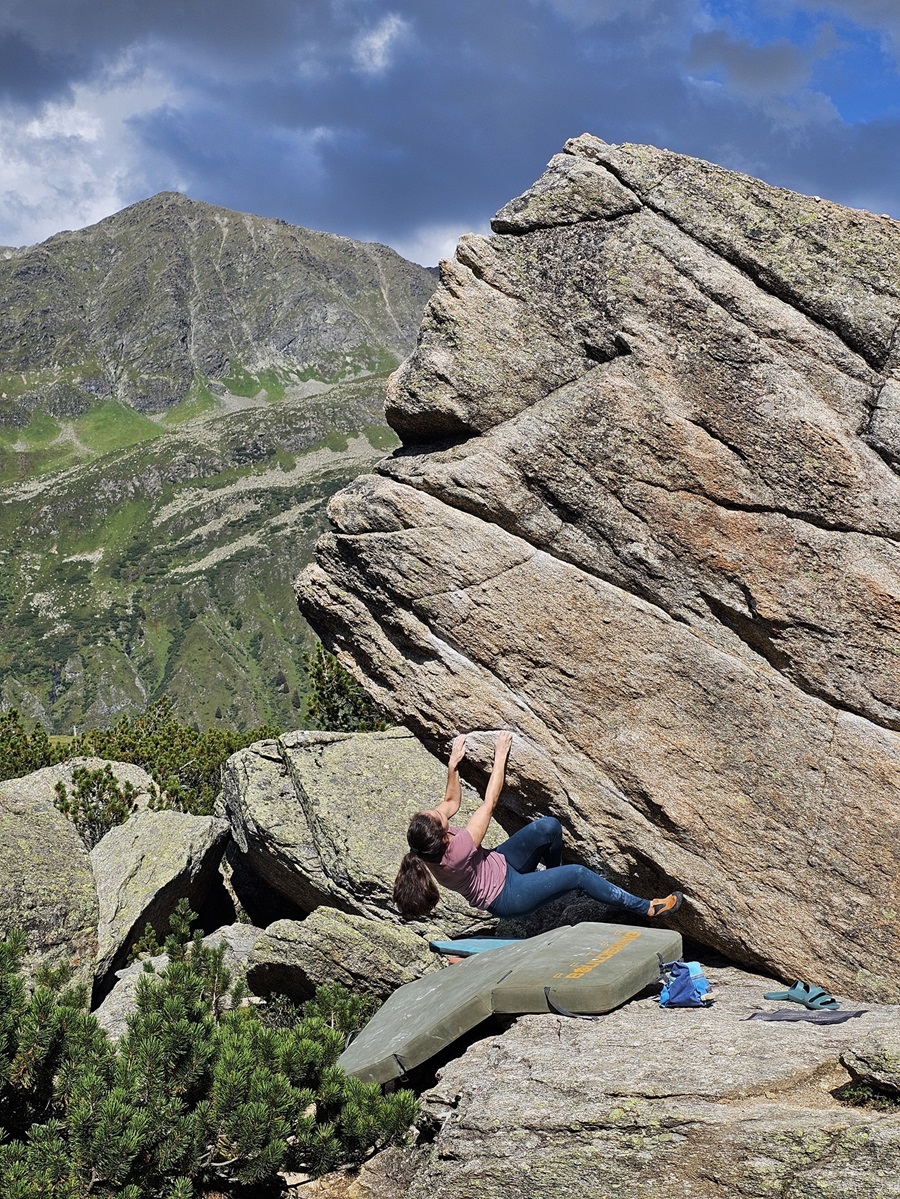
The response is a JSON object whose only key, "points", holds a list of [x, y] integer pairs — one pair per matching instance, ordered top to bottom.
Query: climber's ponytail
{"points": [[415, 891]]}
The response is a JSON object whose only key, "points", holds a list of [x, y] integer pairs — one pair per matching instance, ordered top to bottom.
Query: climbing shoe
{"points": [[662, 907]]}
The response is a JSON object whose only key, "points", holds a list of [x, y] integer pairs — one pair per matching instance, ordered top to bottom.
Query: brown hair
{"points": [[415, 891]]}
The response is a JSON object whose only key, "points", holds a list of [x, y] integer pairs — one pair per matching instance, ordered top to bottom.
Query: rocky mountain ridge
{"points": [[151, 304]]}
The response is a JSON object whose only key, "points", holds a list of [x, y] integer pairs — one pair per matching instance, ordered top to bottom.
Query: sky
{"points": [[411, 122]]}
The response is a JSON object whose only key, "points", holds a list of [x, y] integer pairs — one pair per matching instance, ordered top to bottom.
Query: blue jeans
{"points": [[525, 890]]}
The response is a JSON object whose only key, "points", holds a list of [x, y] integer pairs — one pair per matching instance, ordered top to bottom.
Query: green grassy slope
{"points": [[165, 566]]}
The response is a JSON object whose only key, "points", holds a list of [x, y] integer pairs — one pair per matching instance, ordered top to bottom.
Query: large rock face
{"points": [[646, 515]]}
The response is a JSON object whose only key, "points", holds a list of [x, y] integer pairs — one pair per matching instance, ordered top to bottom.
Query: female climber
{"points": [[504, 880]]}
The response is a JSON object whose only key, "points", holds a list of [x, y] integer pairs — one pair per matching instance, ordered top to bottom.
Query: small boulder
{"points": [[322, 817], [143, 868], [46, 884], [366, 956], [876, 1062]]}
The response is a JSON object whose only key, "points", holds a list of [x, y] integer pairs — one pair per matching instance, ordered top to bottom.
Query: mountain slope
{"points": [[150, 305], [181, 389], [167, 567]]}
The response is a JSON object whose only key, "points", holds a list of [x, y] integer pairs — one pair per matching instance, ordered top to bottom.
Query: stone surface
{"points": [[659, 541], [322, 818], [143, 868], [46, 883], [370, 957], [113, 1012], [875, 1064], [647, 1102]]}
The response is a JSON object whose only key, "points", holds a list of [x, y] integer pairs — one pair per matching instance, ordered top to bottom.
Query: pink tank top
{"points": [[477, 874]]}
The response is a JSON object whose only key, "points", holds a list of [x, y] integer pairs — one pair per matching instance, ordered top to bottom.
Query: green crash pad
{"points": [[466, 946], [589, 968]]}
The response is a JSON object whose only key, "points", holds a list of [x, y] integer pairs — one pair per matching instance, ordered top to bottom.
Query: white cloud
{"points": [[373, 51], [78, 160], [428, 244]]}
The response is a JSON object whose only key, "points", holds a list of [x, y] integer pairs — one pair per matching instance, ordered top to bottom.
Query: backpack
{"points": [[684, 985]]}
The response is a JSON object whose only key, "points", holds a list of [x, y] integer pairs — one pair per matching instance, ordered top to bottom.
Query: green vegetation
{"points": [[240, 382], [198, 402], [113, 426], [37, 434], [35, 449], [101, 569], [335, 701], [22, 751], [185, 763], [97, 802], [199, 1093], [868, 1094]]}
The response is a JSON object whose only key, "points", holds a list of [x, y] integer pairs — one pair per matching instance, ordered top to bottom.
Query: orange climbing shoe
{"points": [[662, 907]]}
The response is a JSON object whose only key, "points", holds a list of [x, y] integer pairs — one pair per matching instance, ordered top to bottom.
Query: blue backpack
{"points": [[684, 985]]}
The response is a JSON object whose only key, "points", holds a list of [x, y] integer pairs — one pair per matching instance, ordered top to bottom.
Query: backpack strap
{"points": [[562, 1011]]}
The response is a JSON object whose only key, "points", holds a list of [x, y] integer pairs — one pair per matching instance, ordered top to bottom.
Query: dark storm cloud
{"points": [[90, 29], [777, 68], [28, 75], [476, 99], [373, 118]]}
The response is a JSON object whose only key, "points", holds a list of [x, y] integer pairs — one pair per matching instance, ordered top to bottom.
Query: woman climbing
{"points": [[504, 880]]}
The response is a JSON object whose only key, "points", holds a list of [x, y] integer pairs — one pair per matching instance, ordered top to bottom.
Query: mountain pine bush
{"points": [[334, 700], [22, 751], [185, 763], [97, 803], [198, 1093]]}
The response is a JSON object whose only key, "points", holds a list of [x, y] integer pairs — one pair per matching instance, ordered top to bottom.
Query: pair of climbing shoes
{"points": [[814, 998]]}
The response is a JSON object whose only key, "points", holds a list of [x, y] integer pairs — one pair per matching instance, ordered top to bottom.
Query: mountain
{"points": [[160, 304], [181, 390], [167, 567]]}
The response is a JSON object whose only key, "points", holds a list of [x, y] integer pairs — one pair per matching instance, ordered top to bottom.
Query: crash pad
{"points": [[464, 947], [588, 968]]}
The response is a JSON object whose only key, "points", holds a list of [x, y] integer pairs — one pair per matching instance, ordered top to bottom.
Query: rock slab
{"points": [[646, 514], [143, 868], [46, 883], [368, 957], [683, 1102]]}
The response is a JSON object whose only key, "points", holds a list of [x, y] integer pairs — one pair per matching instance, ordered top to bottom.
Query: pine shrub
{"points": [[334, 700], [22, 752], [185, 763], [97, 802], [200, 1092]]}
